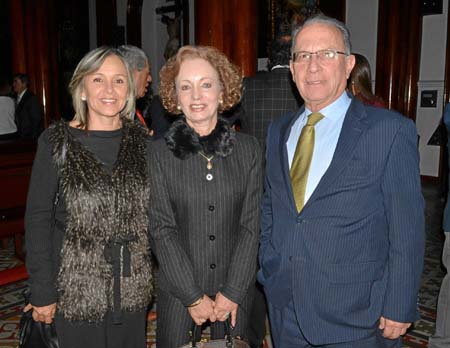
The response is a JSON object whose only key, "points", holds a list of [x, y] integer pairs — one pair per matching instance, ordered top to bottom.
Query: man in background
{"points": [[269, 95], [146, 113], [28, 115], [441, 337]]}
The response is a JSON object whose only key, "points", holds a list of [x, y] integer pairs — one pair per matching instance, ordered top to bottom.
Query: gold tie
{"points": [[302, 160]]}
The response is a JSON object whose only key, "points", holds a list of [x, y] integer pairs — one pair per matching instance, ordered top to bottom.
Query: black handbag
{"points": [[34, 334], [227, 342]]}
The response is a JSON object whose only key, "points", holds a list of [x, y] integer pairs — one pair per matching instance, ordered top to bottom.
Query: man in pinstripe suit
{"points": [[343, 270]]}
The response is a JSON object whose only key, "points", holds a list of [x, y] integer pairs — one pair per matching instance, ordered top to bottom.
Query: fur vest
{"points": [[183, 141], [105, 257]]}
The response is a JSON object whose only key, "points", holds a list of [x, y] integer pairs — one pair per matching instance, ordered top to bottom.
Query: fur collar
{"points": [[184, 141]]}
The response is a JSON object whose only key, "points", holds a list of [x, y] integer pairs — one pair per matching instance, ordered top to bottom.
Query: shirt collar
{"points": [[279, 67], [19, 97], [336, 109]]}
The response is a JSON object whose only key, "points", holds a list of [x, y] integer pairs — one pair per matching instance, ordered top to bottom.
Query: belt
{"points": [[118, 255]]}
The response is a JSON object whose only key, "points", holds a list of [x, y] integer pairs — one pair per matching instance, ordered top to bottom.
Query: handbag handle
{"points": [[228, 339]]}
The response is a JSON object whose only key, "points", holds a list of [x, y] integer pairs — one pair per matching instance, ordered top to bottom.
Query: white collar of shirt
{"points": [[279, 67], [19, 97], [335, 110]]}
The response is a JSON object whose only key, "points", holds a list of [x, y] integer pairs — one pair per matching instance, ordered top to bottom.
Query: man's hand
{"points": [[224, 307], [203, 311], [44, 314], [392, 329]]}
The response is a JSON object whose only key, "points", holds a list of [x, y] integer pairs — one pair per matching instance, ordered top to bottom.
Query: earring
{"points": [[83, 98], [220, 101], [179, 107]]}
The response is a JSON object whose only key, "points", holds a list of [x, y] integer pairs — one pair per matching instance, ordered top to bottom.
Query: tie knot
{"points": [[314, 118]]}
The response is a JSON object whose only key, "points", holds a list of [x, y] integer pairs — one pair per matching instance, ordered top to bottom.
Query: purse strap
{"points": [[228, 339]]}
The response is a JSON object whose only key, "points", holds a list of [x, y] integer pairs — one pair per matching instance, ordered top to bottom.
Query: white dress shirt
{"points": [[7, 124], [327, 133]]}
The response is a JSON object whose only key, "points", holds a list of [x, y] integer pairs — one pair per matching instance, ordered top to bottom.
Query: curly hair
{"points": [[229, 76]]}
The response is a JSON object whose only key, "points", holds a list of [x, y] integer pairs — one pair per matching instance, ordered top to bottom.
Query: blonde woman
{"points": [[86, 220]]}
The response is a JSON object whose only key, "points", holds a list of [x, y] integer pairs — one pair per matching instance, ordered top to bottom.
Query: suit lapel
{"points": [[353, 127], [285, 132]]}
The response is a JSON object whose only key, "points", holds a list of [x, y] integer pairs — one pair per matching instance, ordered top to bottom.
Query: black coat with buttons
{"points": [[204, 223]]}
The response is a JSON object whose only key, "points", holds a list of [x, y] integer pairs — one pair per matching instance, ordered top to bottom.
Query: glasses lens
{"points": [[300, 57]]}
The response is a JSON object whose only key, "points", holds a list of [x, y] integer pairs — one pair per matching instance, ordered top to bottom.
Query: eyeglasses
{"points": [[324, 56]]}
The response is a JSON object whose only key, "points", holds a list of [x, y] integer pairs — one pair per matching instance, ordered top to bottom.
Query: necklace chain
{"points": [[209, 164]]}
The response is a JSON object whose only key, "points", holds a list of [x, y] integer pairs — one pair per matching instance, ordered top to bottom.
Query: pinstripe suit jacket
{"points": [[267, 96], [205, 233], [355, 252]]}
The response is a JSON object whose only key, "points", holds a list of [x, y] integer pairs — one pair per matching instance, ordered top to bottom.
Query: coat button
{"points": [[209, 176], [211, 208], [300, 220], [212, 237], [212, 266]]}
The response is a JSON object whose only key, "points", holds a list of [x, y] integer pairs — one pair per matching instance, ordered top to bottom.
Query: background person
{"points": [[360, 82], [269, 95], [28, 109], [147, 111], [8, 128], [206, 189], [86, 220], [342, 232], [441, 337]]}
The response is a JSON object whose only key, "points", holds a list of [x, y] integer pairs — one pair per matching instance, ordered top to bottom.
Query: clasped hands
{"points": [[217, 310]]}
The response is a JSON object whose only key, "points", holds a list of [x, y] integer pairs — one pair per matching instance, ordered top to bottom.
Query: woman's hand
{"points": [[224, 307], [203, 311], [44, 314]]}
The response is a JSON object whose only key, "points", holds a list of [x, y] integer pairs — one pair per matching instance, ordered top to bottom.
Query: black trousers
{"points": [[257, 322], [130, 334]]}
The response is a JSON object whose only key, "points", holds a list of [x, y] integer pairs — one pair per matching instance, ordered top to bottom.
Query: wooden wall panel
{"points": [[134, 12], [106, 22], [230, 26], [33, 27], [398, 54]]}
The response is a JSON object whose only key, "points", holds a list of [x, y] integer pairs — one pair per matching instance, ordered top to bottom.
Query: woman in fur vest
{"points": [[206, 182], [87, 214]]}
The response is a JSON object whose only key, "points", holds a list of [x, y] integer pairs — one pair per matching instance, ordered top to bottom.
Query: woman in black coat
{"points": [[206, 186]]}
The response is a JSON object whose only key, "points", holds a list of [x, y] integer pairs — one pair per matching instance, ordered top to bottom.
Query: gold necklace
{"points": [[209, 164]]}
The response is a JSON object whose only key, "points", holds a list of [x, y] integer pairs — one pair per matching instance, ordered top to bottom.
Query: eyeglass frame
{"points": [[336, 52]]}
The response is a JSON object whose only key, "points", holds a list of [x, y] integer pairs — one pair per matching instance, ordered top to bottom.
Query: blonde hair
{"points": [[90, 63], [229, 76]]}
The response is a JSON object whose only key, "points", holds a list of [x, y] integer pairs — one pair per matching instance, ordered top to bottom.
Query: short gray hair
{"points": [[321, 18], [135, 57], [89, 64]]}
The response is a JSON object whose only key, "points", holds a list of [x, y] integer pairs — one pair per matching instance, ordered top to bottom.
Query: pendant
{"points": [[209, 165]]}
